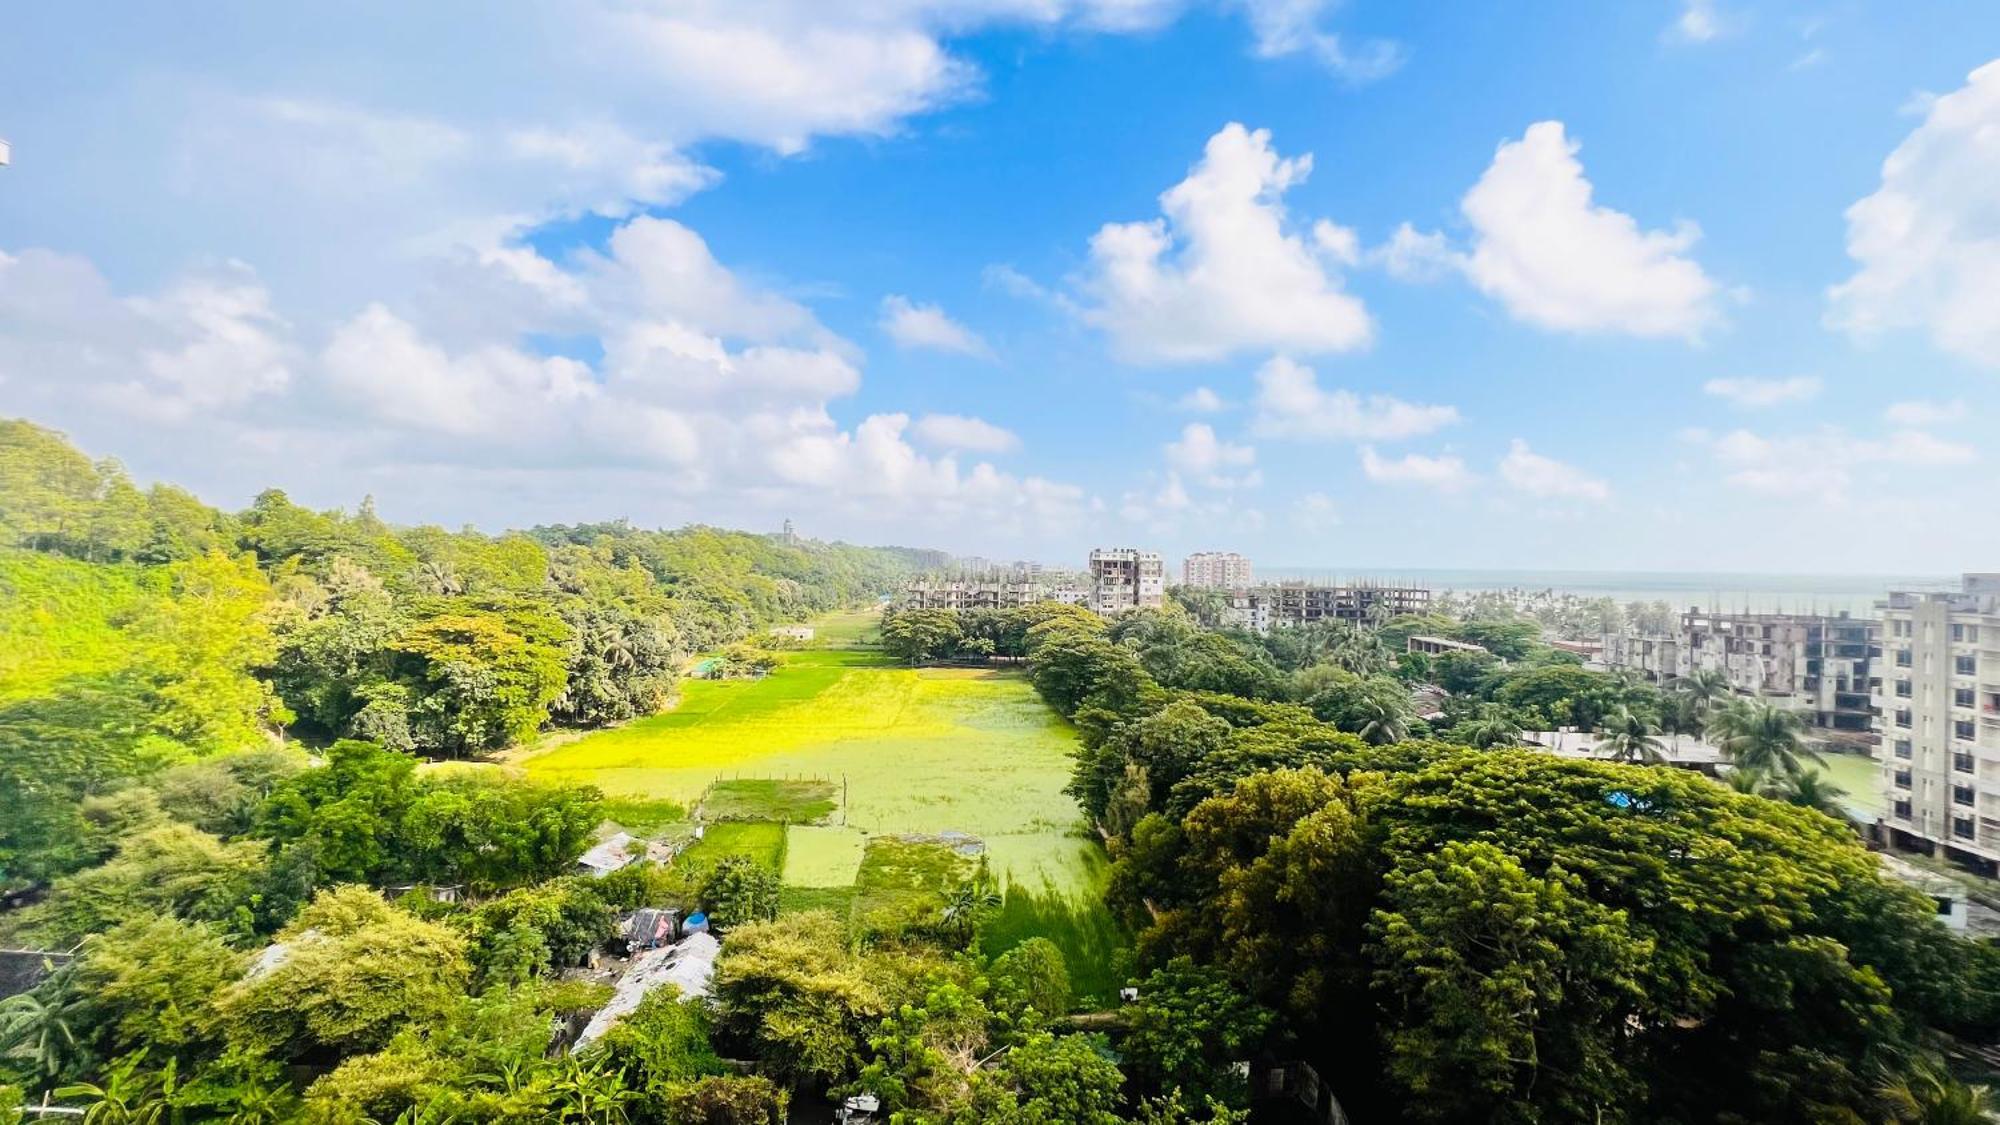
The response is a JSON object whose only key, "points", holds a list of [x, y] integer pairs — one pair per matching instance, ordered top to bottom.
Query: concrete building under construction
{"points": [[1123, 578], [1284, 605]]}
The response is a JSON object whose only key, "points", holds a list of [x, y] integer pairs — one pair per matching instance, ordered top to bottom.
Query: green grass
{"points": [[920, 751], [789, 800], [643, 816], [764, 843], [819, 856], [903, 880], [837, 901]]}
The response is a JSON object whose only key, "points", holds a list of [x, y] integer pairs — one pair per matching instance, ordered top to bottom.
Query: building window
{"points": [[1901, 629], [1957, 633], [1902, 658], [1964, 665], [1903, 689], [1962, 697], [1903, 717], [1963, 729], [1903, 748], [1962, 762], [1902, 779], [1962, 795], [1902, 808], [1961, 827]]}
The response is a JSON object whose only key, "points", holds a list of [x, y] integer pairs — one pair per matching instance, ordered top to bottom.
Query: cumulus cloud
{"points": [[1699, 21], [1927, 241], [1555, 258], [1223, 271], [912, 325], [1757, 393], [1291, 404], [961, 433], [1214, 462], [1526, 471], [1446, 473]]}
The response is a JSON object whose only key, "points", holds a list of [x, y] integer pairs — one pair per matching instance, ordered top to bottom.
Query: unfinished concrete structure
{"points": [[1216, 570], [1123, 578], [1283, 605], [1819, 664], [1938, 738]]}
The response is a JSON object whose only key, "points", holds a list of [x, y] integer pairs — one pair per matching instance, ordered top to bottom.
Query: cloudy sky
{"points": [[1527, 283]]}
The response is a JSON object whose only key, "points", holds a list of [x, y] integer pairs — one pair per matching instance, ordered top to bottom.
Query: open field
{"points": [[916, 751], [1860, 776], [786, 800], [764, 843]]}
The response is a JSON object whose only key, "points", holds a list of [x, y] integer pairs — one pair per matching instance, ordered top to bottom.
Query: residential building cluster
{"points": [[1216, 570], [1818, 664]]}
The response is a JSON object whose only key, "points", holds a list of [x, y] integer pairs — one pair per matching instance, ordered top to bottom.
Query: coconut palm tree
{"points": [[1702, 694], [1380, 718], [1494, 726], [1759, 735], [1629, 736], [1812, 790], [1930, 1096]]}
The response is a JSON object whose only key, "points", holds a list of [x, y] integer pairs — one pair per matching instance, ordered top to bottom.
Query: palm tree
{"points": [[1706, 689], [1380, 718], [1494, 726], [1759, 735], [1629, 736], [1812, 790], [965, 906], [38, 1030], [1929, 1096]]}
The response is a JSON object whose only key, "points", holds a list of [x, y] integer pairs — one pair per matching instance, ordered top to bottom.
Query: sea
{"points": [[1710, 590]]}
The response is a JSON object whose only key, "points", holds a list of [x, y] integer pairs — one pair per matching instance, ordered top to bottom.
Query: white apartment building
{"points": [[1216, 570], [1123, 578], [1286, 605], [1939, 732]]}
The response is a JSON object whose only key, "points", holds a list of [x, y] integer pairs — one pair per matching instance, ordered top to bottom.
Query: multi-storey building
{"points": [[1216, 570], [1123, 578], [1000, 588], [1288, 604], [1820, 665], [1939, 731]]}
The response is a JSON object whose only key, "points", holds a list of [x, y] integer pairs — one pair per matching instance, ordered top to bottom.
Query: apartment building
{"points": [[1216, 570], [1123, 578], [998, 588], [1289, 604], [1822, 665], [1939, 731]]}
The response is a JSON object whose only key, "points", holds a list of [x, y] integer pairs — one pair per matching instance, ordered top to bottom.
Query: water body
{"points": [[1756, 593]]}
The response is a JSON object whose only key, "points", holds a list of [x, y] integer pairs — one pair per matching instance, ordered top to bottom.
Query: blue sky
{"points": [[1700, 285]]}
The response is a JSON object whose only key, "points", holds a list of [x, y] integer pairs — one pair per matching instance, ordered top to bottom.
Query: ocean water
{"points": [[1715, 590]]}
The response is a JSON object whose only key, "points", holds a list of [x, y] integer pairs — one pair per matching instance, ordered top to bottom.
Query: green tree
{"points": [[918, 636], [1628, 736], [1762, 737], [739, 890], [1032, 976], [1188, 1028]]}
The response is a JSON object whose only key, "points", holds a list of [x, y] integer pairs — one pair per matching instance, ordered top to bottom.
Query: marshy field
{"points": [[828, 765]]}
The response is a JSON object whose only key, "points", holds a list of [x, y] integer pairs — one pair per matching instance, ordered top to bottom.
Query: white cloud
{"points": [[1699, 21], [1290, 27], [1927, 241], [1413, 255], [1556, 259], [1222, 272], [927, 326], [1757, 393], [1201, 400], [1290, 404], [1920, 412], [964, 434], [1214, 462], [1822, 464], [1527, 471], [1446, 473]]}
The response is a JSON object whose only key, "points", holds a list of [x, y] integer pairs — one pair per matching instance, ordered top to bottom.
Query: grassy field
{"points": [[915, 751], [1860, 776], [785, 800], [764, 843]]}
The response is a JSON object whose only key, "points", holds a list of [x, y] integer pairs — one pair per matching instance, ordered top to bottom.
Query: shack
{"points": [[687, 965]]}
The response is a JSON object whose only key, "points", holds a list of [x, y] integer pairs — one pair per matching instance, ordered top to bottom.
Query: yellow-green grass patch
{"points": [[787, 800], [764, 843], [822, 856]]}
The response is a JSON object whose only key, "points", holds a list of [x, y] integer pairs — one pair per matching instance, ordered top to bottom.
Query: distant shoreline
{"points": [[1825, 593]]}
